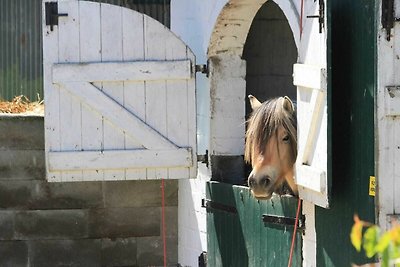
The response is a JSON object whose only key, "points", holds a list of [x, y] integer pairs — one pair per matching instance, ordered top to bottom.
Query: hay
{"points": [[22, 105]]}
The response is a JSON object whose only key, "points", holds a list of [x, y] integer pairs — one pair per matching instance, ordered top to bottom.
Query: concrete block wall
{"points": [[78, 223]]}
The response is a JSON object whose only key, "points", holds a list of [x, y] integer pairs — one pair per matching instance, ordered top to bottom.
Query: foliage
{"points": [[375, 242]]}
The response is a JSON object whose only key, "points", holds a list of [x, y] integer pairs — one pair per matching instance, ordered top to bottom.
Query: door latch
{"points": [[51, 10], [285, 221]]}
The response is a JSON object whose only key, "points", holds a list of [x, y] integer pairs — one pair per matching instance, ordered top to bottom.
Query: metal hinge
{"points": [[51, 10], [320, 16], [388, 17], [203, 68], [203, 158], [211, 205], [281, 220]]}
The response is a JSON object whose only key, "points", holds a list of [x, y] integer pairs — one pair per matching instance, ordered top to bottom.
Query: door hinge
{"points": [[51, 10], [320, 16], [388, 17], [203, 68], [203, 158], [212, 205], [286, 221]]}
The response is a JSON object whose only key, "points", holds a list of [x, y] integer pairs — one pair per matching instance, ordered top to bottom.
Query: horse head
{"points": [[271, 146]]}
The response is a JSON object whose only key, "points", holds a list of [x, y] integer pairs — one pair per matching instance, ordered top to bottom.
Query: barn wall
{"points": [[86, 223]]}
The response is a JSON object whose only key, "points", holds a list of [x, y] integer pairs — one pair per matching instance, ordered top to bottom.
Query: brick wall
{"points": [[79, 223]]}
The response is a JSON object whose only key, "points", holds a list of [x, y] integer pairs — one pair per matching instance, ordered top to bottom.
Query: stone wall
{"points": [[77, 223]]}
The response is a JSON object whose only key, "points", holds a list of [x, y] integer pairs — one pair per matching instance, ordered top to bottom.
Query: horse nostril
{"points": [[252, 181], [265, 181]]}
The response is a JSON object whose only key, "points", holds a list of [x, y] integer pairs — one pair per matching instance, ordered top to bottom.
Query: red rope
{"points": [[301, 17], [163, 222], [294, 233]]}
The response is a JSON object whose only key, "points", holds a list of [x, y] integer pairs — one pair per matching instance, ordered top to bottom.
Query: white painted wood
{"points": [[111, 46], [90, 50], [123, 71], [309, 75], [156, 95], [134, 97], [392, 100], [70, 107], [113, 111], [52, 113], [116, 114], [192, 114], [388, 124], [119, 159], [312, 178]]}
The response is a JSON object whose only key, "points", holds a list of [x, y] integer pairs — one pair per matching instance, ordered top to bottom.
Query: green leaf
{"points": [[371, 240], [383, 243], [385, 258]]}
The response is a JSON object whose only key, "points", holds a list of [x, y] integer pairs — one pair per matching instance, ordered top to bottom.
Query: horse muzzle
{"points": [[261, 187]]}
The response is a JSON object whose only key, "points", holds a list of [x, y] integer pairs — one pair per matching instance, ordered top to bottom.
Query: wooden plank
{"points": [[111, 47], [90, 50], [123, 71], [309, 76], [51, 94], [134, 96], [177, 102], [317, 104], [70, 107], [156, 107], [192, 114], [118, 115], [119, 159], [311, 178]]}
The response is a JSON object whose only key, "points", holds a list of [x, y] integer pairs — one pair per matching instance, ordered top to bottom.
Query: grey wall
{"points": [[270, 52], [79, 223]]}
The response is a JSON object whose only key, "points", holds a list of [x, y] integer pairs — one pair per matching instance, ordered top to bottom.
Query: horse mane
{"points": [[264, 122]]}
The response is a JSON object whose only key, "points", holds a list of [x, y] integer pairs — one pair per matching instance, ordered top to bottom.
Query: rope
{"points": [[301, 17], [163, 222], [294, 233]]}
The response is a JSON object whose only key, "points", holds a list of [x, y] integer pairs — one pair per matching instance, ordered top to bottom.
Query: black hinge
{"points": [[51, 10], [320, 16], [388, 17], [203, 68], [203, 158], [211, 205], [281, 220]]}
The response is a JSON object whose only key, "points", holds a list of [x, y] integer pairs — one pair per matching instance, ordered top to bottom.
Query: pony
{"points": [[271, 147]]}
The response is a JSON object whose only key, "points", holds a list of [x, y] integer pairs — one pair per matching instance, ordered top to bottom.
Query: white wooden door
{"points": [[310, 77], [119, 96]]}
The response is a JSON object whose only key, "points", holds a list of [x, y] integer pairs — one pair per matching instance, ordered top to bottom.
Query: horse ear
{"points": [[254, 103], [288, 104]]}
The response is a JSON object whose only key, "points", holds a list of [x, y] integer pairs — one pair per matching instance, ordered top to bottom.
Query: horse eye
{"points": [[286, 139]]}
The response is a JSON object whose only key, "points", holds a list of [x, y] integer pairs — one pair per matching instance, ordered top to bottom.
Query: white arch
{"points": [[233, 23]]}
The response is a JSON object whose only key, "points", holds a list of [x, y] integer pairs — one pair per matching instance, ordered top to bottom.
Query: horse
{"points": [[271, 147]]}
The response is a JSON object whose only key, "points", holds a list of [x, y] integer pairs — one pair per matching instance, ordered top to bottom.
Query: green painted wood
{"points": [[352, 89], [243, 239]]}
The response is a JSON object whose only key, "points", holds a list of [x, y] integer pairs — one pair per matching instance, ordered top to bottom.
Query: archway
{"points": [[228, 52]]}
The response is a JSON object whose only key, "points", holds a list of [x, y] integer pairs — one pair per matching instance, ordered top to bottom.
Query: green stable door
{"points": [[243, 231]]}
